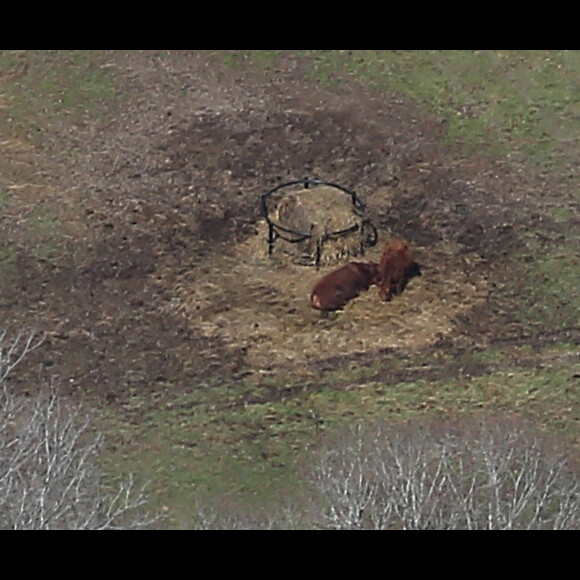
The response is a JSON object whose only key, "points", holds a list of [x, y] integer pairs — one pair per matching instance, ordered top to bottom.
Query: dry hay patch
{"points": [[261, 304]]}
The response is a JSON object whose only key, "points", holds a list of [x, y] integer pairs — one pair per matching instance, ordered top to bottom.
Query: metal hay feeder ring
{"points": [[368, 233]]}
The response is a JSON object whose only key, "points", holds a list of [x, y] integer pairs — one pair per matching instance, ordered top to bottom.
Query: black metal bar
{"points": [[271, 238]]}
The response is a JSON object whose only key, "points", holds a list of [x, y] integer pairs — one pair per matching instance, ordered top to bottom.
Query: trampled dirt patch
{"points": [[160, 275]]}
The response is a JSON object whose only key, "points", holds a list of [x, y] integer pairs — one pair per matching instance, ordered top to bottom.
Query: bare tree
{"points": [[13, 351], [495, 474], [49, 475], [351, 493]]}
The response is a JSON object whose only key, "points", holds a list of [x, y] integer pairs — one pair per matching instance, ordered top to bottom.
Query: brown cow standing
{"points": [[397, 265], [335, 289]]}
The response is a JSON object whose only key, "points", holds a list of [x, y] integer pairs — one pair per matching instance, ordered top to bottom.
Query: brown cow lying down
{"points": [[397, 265], [335, 289]]}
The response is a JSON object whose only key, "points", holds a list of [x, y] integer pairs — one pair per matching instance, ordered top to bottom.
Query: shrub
{"points": [[49, 474], [492, 474]]}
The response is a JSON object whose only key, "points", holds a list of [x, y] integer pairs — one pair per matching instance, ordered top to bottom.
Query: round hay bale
{"points": [[328, 216]]}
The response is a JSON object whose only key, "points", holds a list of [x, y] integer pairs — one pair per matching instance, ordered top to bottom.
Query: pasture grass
{"points": [[41, 86], [41, 91], [520, 106], [553, 299], [255, 456]]}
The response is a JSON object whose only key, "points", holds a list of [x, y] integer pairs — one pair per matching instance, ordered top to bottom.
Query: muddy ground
{"points": [[159, 277]]}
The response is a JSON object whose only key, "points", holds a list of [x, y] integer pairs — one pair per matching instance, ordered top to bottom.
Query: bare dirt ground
{"points": [[162, 278]]}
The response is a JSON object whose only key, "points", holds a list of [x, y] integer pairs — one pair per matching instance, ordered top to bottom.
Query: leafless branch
{"points": [[13, 351], [49, 475], [495, 475]]}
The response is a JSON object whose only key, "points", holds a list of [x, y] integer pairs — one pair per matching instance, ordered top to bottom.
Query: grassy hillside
{"points": [[242, 433]]}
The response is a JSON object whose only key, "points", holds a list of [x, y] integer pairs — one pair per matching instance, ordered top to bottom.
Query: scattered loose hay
{"points": [[261, 303]]}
